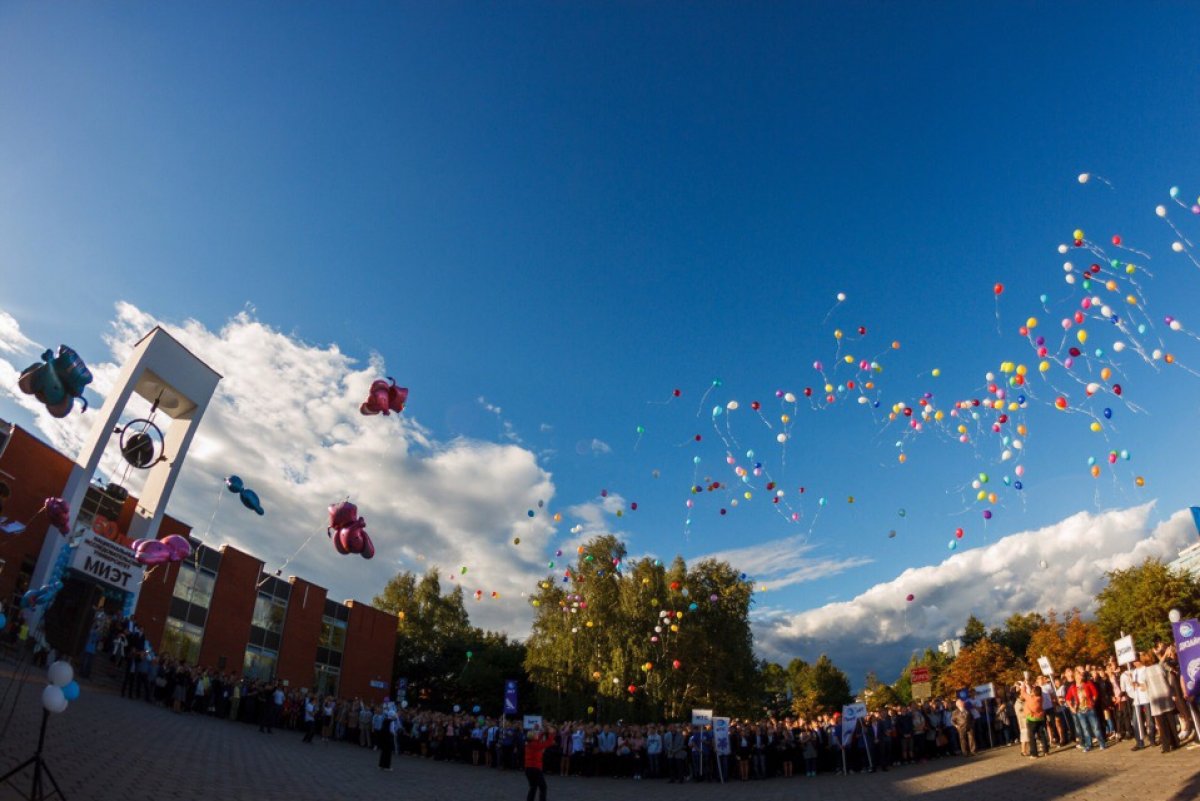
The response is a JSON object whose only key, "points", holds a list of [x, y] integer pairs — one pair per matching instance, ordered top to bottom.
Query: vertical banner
{"points": [[1196, 517], [1187, 648], [510, 697], [851, 714], [721, 736]]}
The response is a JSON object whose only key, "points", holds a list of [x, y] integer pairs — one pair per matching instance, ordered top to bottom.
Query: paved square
{"points": [[112, 749]]}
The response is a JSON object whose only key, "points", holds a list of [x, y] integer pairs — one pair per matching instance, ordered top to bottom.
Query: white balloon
{"points": [[1084, 177], [1161, 211], [1177, 247], [1062, 248], [1068, 267], [1070, 279], [841, 296], [1106, 311], [1176, 325], [1118, 346], [1156, 354], [990, 376], [790, 397], [732, 406], [781, 437], [1018, 444], [1004, 457], [1174, 616], [60, 674], [53, 700]]}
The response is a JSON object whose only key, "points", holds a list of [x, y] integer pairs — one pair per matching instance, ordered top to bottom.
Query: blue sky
{"points": [[573, 209]]}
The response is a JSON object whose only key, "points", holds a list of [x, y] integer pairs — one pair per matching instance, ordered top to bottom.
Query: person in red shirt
{"points": [[1082, 698], [535, 748]]}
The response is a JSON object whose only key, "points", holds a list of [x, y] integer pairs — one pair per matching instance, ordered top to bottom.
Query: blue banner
{"points": [[1196, 517], [1187, 648], [510, 697]]}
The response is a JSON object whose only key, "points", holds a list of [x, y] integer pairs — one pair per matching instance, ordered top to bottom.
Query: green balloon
{"points": [[470, 654]]}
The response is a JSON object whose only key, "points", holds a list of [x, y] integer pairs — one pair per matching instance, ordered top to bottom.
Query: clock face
{"points": [[141, 444]]}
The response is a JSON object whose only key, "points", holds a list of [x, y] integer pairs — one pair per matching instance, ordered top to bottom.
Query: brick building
{"points": [[216, 609]]}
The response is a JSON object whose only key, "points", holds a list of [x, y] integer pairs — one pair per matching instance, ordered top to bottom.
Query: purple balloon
{"points": [[152, 552]]}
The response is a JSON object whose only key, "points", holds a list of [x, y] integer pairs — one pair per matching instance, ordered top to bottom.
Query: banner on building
{"points": [[107, 561], [1187, 647], [1126, 653], [510, 697], [851, 715], [702, 717], [721, 736]]}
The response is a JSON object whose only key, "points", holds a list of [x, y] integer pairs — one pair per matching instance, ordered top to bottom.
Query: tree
{"points": [[1136, 601], [1017, 631], [973, 632], [433, 637], [1071, 642], [936, 661], [983, 662], [821, 687], [877, 694]]}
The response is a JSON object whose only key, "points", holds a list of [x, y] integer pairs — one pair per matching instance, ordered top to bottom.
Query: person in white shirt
{"points": [[310, 718]]}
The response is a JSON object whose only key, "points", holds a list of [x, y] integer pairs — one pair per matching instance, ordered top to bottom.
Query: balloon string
{"points": [[220, 495], [289, 559]]}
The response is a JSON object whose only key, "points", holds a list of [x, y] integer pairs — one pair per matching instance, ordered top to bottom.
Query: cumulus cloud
{"points": [[11, 338], [285, 418], [595, 447], [783, 562], [879, 629]]}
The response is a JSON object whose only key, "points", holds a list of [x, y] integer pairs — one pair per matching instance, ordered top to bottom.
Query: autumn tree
{"points": [[1137, 600], [1017, 631], [1066, 643], [935, 661], [977, 664]]}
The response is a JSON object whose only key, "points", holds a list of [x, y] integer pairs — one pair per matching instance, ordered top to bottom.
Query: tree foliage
{"points": [[1137, 600], [615, 625], [1017, 631], [973, 632], [1072, 641], [977, 664]]}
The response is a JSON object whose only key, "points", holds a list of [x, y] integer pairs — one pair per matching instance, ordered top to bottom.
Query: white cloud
{"points": [[11, 338], [286, 420], [595, 447], [783, 562], [879, 629]]}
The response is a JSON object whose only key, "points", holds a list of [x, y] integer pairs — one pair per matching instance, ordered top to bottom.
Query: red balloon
{"points": [[1116, 239], [998, 288], [862, 329], [1117, 389], [676, 393], [755, 405], [697, 438], [633, 506], [958, 532], [340, 544], [368, 550], [909, 597], [677, 664]]}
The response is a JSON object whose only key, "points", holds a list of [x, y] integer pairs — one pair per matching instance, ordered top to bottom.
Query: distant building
{"points": [[1188, 560], [219, 608], [950, 647]]}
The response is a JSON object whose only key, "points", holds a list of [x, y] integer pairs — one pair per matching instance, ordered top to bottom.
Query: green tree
{"points": [[1136, 601], [1017, 631], [973, 632], [1072, 641], [936, 661], [820, 687]]}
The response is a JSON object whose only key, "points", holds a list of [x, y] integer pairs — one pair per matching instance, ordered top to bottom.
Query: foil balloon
{"points": [[57, 381], [384, 397], [248, 496], [59, 512]]}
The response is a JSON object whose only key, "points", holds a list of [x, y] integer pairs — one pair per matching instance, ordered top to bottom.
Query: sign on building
{"points": [[106, 561]]}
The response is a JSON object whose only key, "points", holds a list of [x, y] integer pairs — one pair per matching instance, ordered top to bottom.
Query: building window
{"points": [[194, 586], [268, 614], [333, 634], [182, 640], [259, 664], [325, 680]]}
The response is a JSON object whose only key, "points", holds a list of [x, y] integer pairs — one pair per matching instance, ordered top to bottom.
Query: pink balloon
{"points": [[342, 514], [353, 539], [340, 544], [178, 547], [368, 550], [152, 552]]}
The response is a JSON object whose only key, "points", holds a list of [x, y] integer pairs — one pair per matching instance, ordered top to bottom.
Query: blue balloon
{"points": [[717, 411], [1108, 413], [234, 484], [1018, 485], [250, 500], [3, 620], [71, 690], [475, 709]]}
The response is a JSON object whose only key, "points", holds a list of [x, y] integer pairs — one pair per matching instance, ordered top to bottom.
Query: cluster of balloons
{"points": [[57, 381], [384, 397], [248, 496], [349, 531], [172, 548], [45, 595], [62, 688]]}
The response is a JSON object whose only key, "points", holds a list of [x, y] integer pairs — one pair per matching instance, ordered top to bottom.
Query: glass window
{"points": [[194, 586], [268, 614], [333, 634], [182, 640], [259, 664], [325, 681]]}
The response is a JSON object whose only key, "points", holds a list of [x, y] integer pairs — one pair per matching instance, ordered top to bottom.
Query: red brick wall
{"points": [[37, 472], [154, 601], [228, 628], [301, 631], [370, 649]]}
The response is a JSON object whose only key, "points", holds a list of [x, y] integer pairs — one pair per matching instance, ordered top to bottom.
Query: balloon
{"points": [[1084, 177], [998, 288], [56, 381], [384, 397], [1141, 482], [234, 484], [59, 513], [530, 513], [987, 514], [958, 533], [952, 545], [178, 547], [152, 552], [909, 597], [470, 654], [60, 673], [71, 690], [53, 699]]}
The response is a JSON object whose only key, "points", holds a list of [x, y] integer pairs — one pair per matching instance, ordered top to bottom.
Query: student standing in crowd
{"points": [[1157, 683], [535, 749]]}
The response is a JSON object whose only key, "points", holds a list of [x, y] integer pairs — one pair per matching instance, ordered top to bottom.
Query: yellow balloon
{"points": [[1079, 233], [1130, 269], [1111, 285], [1131, 300], [1031, 322], [837, 334], [1081, 335], [848, 359], [1044, 367], [1022, 369], [936, 372], [828, 388], [1013, 406], [939, 415], [785, 419], [1095, 425], [962, 429], [981, 495], [748, 496], [674, 627]]}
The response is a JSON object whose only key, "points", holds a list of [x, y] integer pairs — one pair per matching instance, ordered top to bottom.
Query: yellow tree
{"points": [[1069, 642], [983, 662]]}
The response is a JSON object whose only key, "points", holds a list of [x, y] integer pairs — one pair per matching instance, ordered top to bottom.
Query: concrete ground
{"points": [[111, 749]]}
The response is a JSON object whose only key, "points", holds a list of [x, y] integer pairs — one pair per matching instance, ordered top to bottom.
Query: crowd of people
{"points": [[1088, 707]]}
